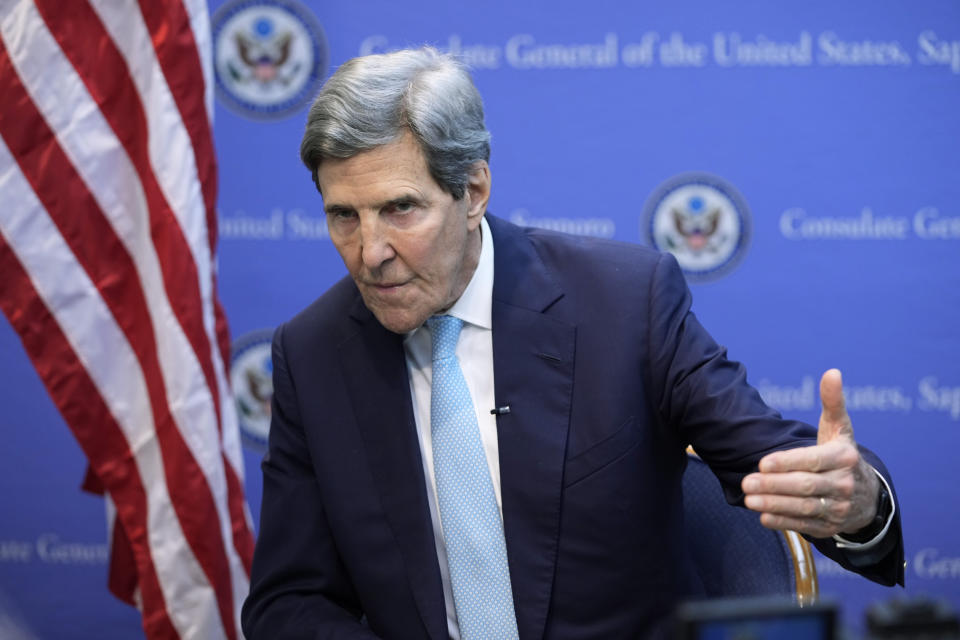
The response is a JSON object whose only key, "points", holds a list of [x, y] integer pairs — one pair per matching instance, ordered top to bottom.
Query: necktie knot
{"points": [[444, 332]]}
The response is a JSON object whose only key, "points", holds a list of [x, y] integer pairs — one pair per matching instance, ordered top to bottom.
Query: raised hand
{"points": [[819, 490]]}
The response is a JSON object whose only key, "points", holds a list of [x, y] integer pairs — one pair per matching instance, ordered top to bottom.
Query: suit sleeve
{"points": [[705, 399], [298, 585]]}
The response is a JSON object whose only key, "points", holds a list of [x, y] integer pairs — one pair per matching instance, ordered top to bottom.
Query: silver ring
{"points": [[823, 506]]}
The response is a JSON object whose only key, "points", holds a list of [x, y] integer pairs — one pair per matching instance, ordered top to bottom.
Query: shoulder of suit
{"points": [[593, 257], [326, 318]]}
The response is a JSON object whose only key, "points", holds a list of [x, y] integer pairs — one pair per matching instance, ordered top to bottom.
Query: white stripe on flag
{"points": [[200, 24]]}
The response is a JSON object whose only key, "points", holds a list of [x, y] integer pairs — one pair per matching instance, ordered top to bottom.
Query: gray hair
{"points": [[372, 100]]}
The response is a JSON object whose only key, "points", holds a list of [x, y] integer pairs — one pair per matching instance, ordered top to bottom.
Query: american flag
{"points": [[108, 274]]}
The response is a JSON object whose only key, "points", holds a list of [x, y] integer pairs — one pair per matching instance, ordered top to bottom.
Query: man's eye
{"points": [[401, 207]]}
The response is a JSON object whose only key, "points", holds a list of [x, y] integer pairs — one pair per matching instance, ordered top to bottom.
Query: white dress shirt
{"points": [[475, 353]]}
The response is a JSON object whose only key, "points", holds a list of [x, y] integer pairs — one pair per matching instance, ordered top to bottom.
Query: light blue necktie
{"points": [[472, 527]]}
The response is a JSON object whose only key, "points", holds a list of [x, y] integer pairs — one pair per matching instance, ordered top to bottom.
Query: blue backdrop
{"points": [[837, 123]]}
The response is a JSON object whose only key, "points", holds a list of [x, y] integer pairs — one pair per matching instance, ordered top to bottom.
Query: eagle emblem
{"points": [[263, 55], [269, 56], [702, 220], [696, 226], [251, 378]]}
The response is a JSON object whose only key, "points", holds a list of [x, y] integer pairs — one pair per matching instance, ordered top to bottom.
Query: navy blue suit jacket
{"points": [[608, 377]]}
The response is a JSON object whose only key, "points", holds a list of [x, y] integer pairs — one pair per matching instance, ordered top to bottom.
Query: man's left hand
{"points": [[820, 490]]}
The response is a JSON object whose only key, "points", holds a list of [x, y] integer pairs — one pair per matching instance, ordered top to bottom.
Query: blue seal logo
{"points": [[270, 57], [702, 220], [251, 376]]}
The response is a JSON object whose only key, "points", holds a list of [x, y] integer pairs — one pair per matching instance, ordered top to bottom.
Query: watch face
{"points": [[884, 505]]}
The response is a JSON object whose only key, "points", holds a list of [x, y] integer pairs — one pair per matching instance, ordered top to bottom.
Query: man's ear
{"points": [[477, 193]]}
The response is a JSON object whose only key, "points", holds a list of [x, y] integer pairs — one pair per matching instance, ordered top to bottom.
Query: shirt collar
{"points": [[475, 304]]}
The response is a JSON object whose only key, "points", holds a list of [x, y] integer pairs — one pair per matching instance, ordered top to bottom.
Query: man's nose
{"points": [[375, 246]]}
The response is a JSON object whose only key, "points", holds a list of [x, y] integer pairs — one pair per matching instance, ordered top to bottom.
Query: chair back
{"points": [[732, 553]]}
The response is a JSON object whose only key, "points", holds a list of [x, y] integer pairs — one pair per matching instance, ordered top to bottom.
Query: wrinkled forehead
{"points": [[403, 137], [371, 178]]}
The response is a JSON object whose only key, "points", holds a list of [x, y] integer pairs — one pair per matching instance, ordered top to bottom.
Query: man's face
{"points": [[409, 246]]}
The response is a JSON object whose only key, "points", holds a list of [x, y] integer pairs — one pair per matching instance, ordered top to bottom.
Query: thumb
{"points": [[834, 419]]}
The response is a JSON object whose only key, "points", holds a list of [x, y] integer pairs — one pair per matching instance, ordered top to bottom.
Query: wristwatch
{"points": [[869, 532]]}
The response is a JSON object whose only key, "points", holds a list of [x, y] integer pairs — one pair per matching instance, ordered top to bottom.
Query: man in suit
{"points": [[480, 433]]}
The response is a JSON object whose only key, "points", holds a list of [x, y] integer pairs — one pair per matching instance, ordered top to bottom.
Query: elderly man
{"points": [[480, 433]]}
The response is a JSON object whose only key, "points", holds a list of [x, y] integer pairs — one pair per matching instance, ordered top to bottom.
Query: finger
{"points": [[834, 419], [816, 459], [836, 483], [832, 510], [813, 527]]}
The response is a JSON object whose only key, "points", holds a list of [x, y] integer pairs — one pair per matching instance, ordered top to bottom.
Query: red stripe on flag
{"points": [[176, 49], [177, 52], [100, 252], [94, 427], [242, 535], [122, 580]]}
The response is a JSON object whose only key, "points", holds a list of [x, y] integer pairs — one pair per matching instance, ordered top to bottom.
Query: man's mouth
{"points": [[386, 287]]}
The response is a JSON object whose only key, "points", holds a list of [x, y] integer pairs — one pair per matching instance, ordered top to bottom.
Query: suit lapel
{"points": [[533, 355], [374, 366]]}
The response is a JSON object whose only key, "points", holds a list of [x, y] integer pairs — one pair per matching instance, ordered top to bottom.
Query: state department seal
{"points": [[270, 57], [702, 220], [251, 376]]}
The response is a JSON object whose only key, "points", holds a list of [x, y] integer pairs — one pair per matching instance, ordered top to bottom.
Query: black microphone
{"points": [[500, 411]]}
